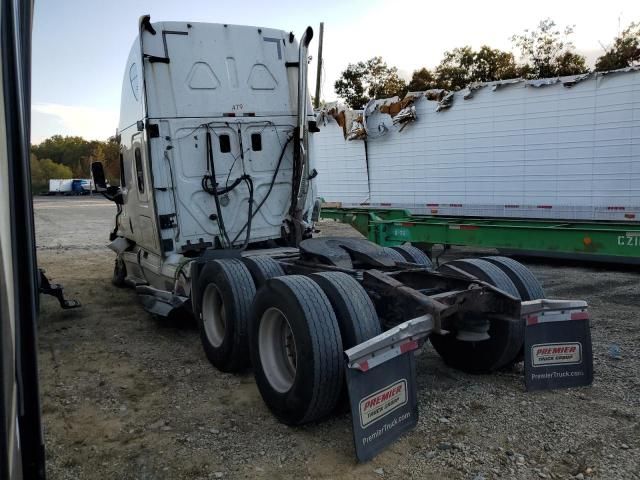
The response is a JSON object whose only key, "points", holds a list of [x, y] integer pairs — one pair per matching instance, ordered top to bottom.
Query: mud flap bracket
{"points": [[381, 380]]}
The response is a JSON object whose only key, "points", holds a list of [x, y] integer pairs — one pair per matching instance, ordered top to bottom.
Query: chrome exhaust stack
{"points": [[303, 129]]}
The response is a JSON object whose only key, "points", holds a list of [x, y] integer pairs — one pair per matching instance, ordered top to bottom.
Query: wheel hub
{"points": [[214, 315], [277, 348]]}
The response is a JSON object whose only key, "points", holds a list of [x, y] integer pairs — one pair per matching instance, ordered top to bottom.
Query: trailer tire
{"points": [[394, 254], [414, 255], [262, 268], [119, 273], [524, 280], [226, 291], [506, 337], [296, 349]]}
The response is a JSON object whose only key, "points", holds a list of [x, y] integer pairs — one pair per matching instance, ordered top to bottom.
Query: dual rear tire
{"points": [[293, 331], [506, 337]]}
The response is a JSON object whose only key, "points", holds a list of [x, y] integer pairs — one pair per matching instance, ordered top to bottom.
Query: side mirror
{"points": [[97, 171]]}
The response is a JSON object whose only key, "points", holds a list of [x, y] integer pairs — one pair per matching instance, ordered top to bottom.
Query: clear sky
{"points": [[80, 46]]}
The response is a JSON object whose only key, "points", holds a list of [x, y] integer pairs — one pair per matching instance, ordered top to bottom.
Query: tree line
{"points": [[546, 51], [71, 157]]}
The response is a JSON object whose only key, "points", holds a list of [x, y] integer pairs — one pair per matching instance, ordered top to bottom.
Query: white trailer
{"points": [[563, 148], [60, 186], [71, 186], [216, 210]]}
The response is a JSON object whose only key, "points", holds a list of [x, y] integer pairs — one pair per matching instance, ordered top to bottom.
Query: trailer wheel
{"points": [[394, 254], [414, 255], [262, 268], [119, 272], [525, 281], [226, 291], [506, 337], [296, 349]]}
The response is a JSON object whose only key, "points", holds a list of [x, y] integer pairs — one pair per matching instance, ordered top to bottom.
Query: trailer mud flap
{"points": [[557, 344], [381, 379]]}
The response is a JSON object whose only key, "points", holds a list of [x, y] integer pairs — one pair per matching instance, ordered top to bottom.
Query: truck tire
{"points": [[394, 254], [414, 255], [262, 268], [485, 271], [119, 273], [524, 280], [223, 311], [356, 315], [506, 337], [296, 349], [499, 351]]}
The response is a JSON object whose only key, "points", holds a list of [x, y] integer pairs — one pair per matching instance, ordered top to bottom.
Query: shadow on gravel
{"points": [[179, 319]]}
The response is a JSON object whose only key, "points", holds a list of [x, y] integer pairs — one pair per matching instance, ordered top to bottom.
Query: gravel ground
{"points": [[128, 396]]}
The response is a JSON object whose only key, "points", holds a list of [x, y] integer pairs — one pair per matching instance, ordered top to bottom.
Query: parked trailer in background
{"points": [[561, 148], [71, 186], [216, 211]]}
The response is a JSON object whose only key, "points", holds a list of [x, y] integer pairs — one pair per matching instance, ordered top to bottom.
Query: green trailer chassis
{"points": [[600, 241]]}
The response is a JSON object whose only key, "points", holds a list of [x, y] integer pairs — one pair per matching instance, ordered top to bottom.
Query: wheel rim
{"points": [[214, 316], [277, 347]]}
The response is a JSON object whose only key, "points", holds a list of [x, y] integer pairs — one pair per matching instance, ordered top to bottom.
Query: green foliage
{"points": [[548, 52], [624, 52], [462, 66], [422, 79], [363, 81], [70, 151], [76, 153], [44, 170]]}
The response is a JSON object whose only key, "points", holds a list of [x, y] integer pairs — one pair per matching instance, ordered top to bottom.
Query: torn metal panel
{"points": [[570, 82], [501, 83], [467, 93], [436, 94], [446, 102], [405, 116], [356, 130]]}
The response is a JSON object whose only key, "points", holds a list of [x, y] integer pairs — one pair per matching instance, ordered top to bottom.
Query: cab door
{"points": [[143, 216]]}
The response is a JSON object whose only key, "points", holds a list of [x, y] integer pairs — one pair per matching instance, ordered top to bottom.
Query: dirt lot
{"points": [[128, 396]]}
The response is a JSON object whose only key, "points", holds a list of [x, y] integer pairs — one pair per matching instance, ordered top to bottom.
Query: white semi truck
{"points": [[216, 210]]}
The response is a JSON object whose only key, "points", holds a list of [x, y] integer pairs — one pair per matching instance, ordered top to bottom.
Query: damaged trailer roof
{"points": [[566, 147]]}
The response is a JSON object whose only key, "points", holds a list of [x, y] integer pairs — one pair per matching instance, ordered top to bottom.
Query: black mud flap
{"points": [[557, 344], [381, 379]]}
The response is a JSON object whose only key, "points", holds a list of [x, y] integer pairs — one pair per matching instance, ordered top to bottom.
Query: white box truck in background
{"points": [[70, 186]]}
